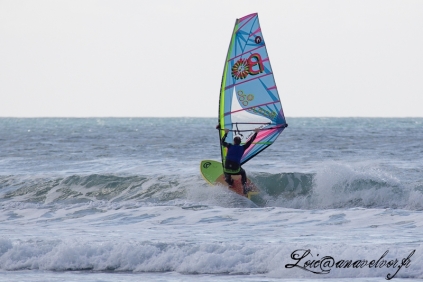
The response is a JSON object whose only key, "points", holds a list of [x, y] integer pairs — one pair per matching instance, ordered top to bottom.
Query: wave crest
{"points": [[333, 186]]}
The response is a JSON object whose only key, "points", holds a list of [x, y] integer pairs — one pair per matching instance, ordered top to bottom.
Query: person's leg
{"points": [[243, 176], [228, 179], [243, 180]]}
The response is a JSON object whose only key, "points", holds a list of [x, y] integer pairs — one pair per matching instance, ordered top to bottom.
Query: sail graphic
{"points": [[249, 97]]}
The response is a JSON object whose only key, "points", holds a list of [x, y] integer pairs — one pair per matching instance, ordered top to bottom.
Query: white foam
{"points": [[207, 240]]}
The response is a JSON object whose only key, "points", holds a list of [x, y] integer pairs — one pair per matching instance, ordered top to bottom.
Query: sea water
{"points": [[122, 199]]}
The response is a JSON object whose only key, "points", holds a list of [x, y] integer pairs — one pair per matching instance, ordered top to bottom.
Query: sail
{"points": [[249, 98]]}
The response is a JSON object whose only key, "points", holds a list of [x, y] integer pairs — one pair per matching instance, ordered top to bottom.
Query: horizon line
{"points": [[165, 117]]}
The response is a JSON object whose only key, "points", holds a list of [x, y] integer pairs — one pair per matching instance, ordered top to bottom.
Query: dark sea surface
{"points": [[122, 199]]}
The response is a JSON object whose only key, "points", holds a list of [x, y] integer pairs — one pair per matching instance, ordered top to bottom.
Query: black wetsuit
{"points": [[233, 160]]}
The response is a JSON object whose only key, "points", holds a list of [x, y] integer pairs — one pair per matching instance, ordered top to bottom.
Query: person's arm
{"points": [[250, 141], [222, 142]]}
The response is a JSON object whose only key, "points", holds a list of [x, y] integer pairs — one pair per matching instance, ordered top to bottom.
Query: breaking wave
{"points": [[334, 186]]}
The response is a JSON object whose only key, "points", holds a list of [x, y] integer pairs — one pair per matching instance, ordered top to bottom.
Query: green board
{"points": [[212, 171]]}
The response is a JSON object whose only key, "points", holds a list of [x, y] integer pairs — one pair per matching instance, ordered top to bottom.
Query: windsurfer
{"points": [[233, 158]]}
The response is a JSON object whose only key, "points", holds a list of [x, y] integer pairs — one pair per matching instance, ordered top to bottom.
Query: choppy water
{"points": [[122, 199]]}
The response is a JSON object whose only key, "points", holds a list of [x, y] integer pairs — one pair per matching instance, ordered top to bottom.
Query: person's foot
{"points": [[245, 189]]}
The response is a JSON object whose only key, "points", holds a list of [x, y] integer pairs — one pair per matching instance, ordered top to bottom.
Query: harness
{"points": [[231, 167]]}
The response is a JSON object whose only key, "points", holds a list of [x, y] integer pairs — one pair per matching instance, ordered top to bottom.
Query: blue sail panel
{"points": [[249, 97]]}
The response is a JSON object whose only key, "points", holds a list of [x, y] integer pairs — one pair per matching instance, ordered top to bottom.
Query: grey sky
{"points": [[165, 57]]}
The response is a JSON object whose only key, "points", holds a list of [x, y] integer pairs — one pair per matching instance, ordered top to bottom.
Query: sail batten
{"points": [[231, 59], [233, 85], [248, 95], [251, 108]]}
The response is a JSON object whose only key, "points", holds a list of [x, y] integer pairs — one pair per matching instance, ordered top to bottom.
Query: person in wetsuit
{"points": [[233, 159]]}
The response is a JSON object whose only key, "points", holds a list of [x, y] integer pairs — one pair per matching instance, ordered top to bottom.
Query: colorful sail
{"points": [[249, 98]]}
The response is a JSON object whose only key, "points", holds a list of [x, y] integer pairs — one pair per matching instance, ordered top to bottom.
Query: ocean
{"points": [[122, 199]]}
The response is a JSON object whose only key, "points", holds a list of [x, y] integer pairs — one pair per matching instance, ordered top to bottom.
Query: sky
{"points": [[165, 58]]}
